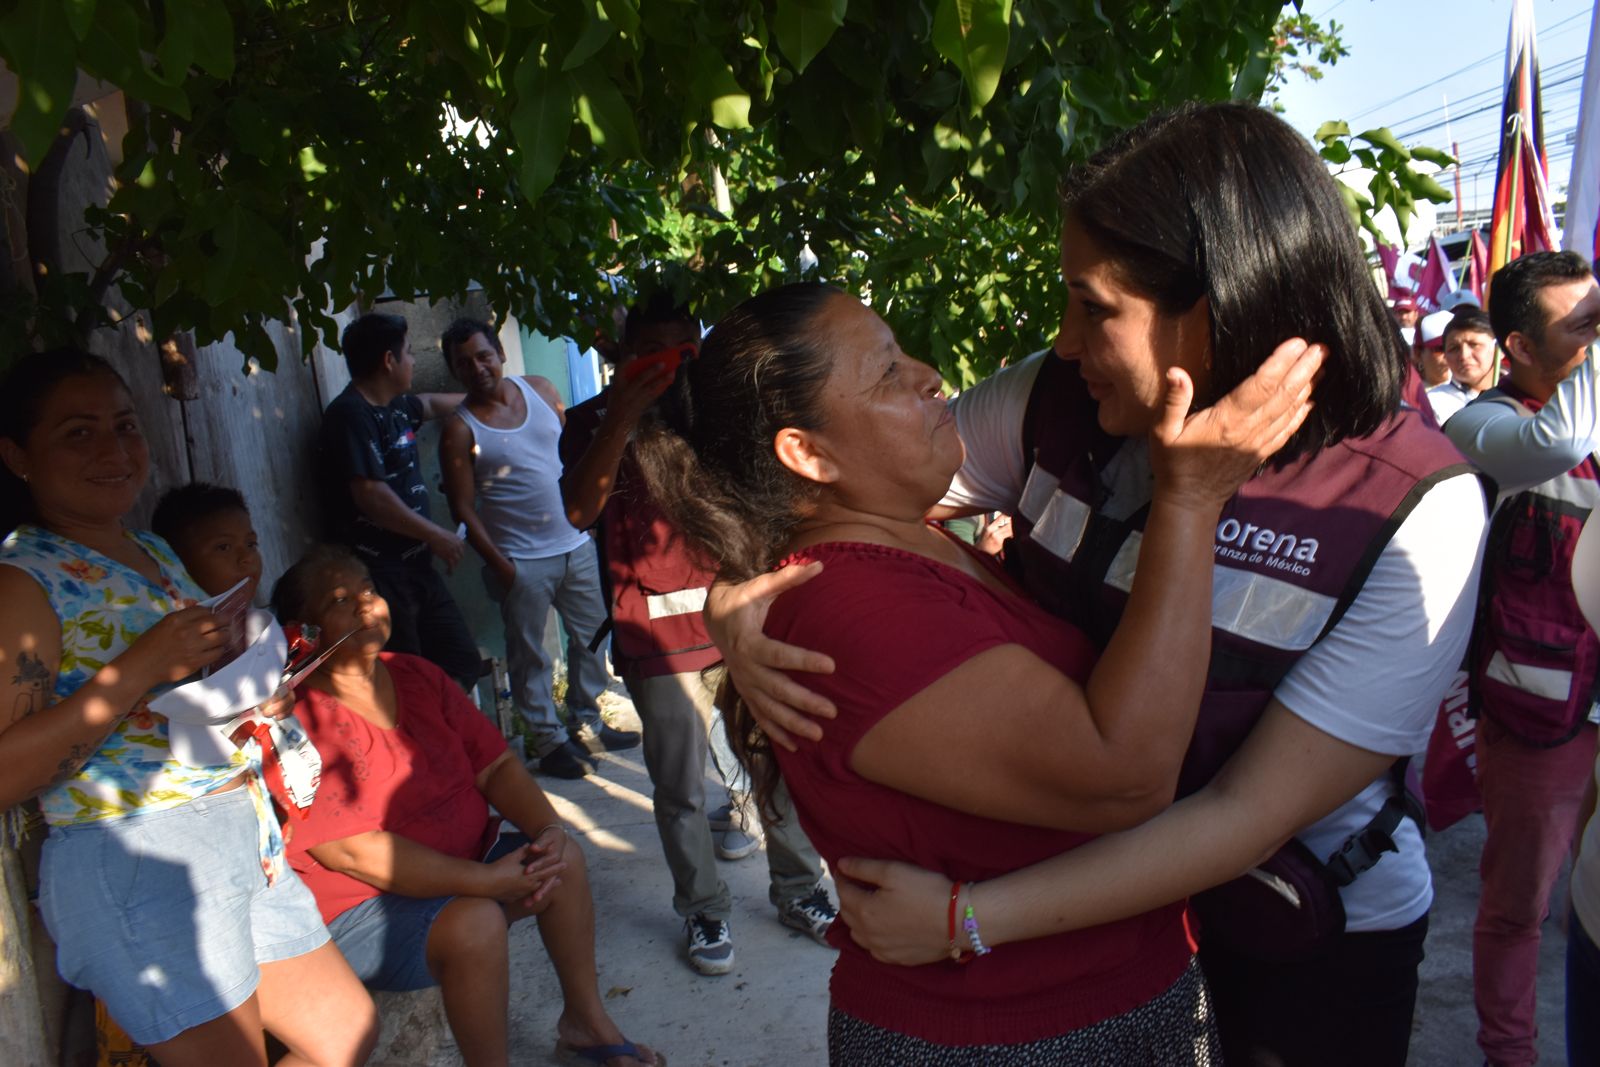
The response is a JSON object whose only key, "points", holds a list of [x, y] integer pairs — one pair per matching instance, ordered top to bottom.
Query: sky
{"points": [[1410, 59]]}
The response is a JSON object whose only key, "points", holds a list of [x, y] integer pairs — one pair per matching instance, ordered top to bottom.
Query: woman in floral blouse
{"points": [[162, 884]]}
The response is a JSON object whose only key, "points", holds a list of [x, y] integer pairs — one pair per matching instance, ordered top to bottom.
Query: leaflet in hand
{"points": [[232, 610]]}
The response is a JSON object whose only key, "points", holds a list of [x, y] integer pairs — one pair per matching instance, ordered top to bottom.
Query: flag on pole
{"points": [[1523, 221], [1581, 232], [1389, 255], [1435, 280], [1477, 281]]}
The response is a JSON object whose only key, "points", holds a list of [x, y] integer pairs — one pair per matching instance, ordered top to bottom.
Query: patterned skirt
{"points": [[1176, 1029]]}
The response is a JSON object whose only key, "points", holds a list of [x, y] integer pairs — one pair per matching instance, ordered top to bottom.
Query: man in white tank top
{"points": [[502, 477]]}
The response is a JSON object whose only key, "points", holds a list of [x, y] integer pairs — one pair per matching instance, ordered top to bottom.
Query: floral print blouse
{"points": [[104, 606]]}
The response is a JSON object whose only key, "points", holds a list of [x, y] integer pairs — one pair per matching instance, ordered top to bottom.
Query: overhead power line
{"points": [[1548, 34]]}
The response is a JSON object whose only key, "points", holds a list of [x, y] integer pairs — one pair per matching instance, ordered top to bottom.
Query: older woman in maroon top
{"points": [[976, 733]]}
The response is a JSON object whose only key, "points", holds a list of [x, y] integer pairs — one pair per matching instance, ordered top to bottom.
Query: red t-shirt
{"points": [[895, 622], [415, 780]]}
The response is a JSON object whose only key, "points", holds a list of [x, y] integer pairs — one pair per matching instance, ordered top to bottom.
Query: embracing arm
{"points": [[439, 405], [42, 743], [1049, 752], [1288, 775]]}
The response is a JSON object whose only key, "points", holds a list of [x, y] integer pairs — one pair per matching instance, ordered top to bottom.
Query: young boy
{"points": [[208, 526]]}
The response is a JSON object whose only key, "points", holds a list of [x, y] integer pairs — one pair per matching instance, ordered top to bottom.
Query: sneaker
{"points": [[606, 739], [566, 760], [721, 819], [742, 835], [735, 843], [811, 914], [710, 944]]}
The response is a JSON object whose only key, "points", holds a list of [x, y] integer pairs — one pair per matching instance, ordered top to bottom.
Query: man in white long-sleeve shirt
{"points": [[1536, 662]]}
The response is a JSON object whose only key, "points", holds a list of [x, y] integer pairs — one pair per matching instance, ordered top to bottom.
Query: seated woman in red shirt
{"points": [[976, 732], [400, 848]]}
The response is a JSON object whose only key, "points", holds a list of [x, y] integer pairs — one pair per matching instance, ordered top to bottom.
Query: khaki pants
{"points": [[675, 711]]}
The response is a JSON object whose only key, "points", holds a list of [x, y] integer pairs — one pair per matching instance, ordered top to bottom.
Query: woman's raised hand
{"points": [[1205, 457], [180, 644]]}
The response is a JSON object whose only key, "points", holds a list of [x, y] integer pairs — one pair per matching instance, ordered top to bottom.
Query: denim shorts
{"points": [[166, 916], [385, 937]]}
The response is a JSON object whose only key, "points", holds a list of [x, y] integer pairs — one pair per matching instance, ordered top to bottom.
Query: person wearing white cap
{"points": [[1459, 299], [1469, 350], [1428, 351]]}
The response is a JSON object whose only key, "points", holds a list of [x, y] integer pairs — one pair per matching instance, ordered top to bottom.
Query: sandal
{"points": [[566, 1052]]}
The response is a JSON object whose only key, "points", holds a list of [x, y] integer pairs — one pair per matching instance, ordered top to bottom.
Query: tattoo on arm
{"points": [[31, 671], [34, 679], [75, 758]]}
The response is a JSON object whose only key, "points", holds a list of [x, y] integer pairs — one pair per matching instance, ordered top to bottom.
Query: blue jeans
{"points": [[571, 584], [167, 916], [385, 938], [1583, 996]]}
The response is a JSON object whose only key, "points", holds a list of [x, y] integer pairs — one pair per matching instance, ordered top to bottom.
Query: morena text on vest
{"points": [[1249, 543]]}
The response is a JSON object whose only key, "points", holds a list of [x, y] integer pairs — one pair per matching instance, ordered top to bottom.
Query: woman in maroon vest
{"points": [[1343, 584], [977, 732]]}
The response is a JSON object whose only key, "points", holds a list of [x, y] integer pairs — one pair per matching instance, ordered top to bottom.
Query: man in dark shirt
{"points": [[377, 502]]}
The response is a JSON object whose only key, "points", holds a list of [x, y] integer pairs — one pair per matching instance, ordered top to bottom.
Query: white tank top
{"points": [[518, 477]]}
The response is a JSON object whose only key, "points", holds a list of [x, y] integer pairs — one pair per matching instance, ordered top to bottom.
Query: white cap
{"points": [[1459, 298], [1432, 326], [197, 711]]}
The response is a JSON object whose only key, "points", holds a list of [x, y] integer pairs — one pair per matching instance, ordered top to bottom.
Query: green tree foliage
{"points": [[1303, 46], [541, 148], [1394, 184]]}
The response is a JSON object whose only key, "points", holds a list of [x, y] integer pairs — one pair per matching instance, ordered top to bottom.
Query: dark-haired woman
{"points": [[1344, 579], [977, 732], [162, 884]]}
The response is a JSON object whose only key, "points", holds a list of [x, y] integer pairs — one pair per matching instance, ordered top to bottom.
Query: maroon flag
{"points": [[1388, 255], [1477, 268], [1436, 280]]}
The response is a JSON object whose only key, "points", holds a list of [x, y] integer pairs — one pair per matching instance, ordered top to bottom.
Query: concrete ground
{"points": [[772, 1009]]}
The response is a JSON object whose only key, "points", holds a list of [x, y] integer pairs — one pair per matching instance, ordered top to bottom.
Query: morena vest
{"points": [[1293, 547], [1535, 661]]}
